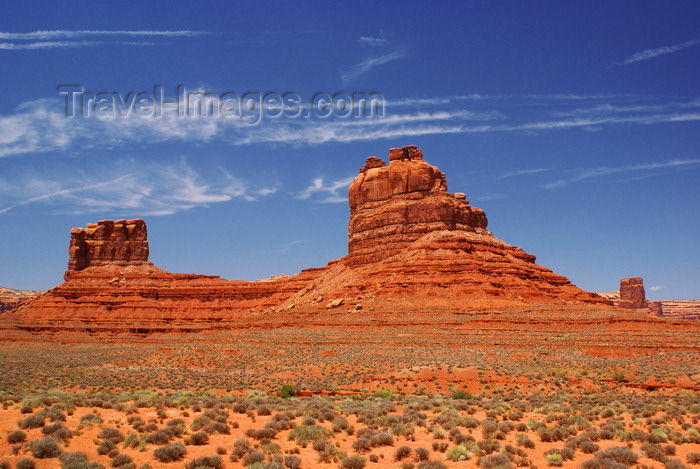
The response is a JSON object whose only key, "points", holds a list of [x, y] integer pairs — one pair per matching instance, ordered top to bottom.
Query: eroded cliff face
{"points": [[417, 254]]}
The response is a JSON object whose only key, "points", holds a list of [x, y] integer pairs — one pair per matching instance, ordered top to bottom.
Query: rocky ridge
{"points": [[418, 256]]}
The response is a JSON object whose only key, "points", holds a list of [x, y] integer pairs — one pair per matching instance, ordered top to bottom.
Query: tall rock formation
{"points": [[393, 206], [403, 219], [632, 293]]}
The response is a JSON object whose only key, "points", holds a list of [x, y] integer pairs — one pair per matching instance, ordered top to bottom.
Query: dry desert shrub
{"points": [[88, 420], [31, 421], [58, 430], [267, 432], [17, 436], [159, 437], [199, 438], [382, 439], [521, 439], [362, 444], [440, 446], [45, 448], [240, 448], [654, 451], [170, 452], [402, 452], [422, 454], [619, 454], [253, 457], [554, 459], [121, 460], [500, 460], [78, 461], [206, 462], [292, 462], [353, 462], [26, 463], [675, 464], [431, 465]]}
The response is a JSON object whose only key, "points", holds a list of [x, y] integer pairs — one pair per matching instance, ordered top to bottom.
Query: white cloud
{"points": [[67, 34], [63, 39], [371, 41], [47, 45], [651, 53], [368, 64], [607, 109], [41, 126], [605, 171], [522, 172], [140, 189], [331, 190], [287, 246], [655, 288]]}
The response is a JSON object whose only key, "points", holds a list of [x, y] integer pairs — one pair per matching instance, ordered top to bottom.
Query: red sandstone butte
{"points": [[107, 242], [417, 255], [632, 294]]}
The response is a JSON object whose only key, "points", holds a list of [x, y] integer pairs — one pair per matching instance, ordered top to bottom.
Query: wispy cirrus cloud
{"points": [[68, 34], [65, 39], [372, 41], [47, 45], [655, 52], [370, 63], [520, 99], [41, 126], [602, 171], [522, 172], [139, 189], [331, 190], [287, 246]]}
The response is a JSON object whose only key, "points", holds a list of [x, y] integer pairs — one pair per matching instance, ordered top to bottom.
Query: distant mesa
{"points": [[418, 255], [631, 295], [10, 299]]}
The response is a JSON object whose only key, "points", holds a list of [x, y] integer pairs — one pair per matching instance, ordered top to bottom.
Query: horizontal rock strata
{"points": [[418, 256]]}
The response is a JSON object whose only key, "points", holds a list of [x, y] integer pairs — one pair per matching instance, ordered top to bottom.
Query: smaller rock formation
{"points": [[119, 242], [632, 294], [655, 308]]}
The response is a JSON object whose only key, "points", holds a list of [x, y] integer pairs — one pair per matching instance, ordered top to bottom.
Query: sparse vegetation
{"points": [[502, 426], [45, 448], [170, 452]]}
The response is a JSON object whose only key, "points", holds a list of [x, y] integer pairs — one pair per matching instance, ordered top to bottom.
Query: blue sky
{"points": [[574, 125]]}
